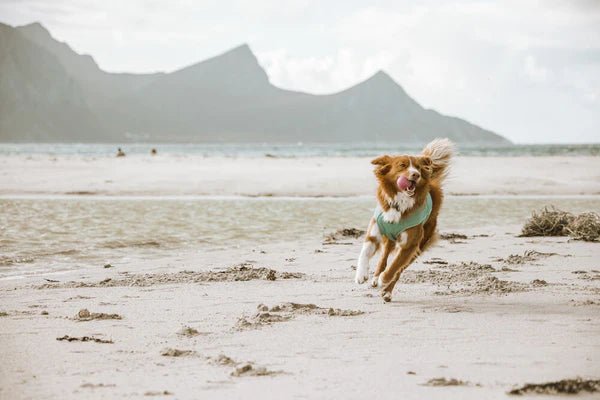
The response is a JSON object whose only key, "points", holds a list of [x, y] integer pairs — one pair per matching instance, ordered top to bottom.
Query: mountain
{"points": [[84, 69], [50, 93], [39, 100]]}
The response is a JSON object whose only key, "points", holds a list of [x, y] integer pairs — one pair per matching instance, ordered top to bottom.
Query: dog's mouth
{"points": [[406, 185], [412, 185]]}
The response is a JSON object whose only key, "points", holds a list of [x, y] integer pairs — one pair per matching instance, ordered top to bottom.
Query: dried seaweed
{"points": [[547, 222], [585, 227], [342, 234], [452, 236], [85, 315], [82, 339], [445, 382], [565, 386]]}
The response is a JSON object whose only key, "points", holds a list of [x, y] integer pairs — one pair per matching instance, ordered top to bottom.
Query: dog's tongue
{"points": [[403, 183]]}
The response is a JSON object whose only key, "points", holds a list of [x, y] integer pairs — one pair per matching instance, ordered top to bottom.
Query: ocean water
{"points": [[287, 150], [43, 234]]}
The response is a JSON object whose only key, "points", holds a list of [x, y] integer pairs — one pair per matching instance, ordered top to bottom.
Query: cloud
{"points": [[472, 59], [535, 72], [322, 75]]}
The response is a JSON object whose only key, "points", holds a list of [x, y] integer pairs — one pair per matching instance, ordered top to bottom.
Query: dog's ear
{"points": [[382, 160], [383, 163]]}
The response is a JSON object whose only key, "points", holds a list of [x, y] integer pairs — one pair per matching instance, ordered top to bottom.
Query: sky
{"points": [[528, 70]]}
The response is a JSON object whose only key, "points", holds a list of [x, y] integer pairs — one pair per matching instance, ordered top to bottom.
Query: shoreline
{"points": [[292, 150]]}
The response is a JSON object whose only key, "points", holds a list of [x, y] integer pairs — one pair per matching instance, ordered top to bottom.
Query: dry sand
{"points": [[176, 176], [487, 314]]}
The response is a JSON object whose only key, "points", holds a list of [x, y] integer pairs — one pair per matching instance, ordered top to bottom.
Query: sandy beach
{"points": [[312, 177], [188, 200], [143, 304]]}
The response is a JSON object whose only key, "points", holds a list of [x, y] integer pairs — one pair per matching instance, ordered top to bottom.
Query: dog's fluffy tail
{"points": [[440, 151]]}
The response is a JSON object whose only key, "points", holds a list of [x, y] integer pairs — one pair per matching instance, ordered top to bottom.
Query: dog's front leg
{"points": [[388, 245], [369, 248], [410, 250]]}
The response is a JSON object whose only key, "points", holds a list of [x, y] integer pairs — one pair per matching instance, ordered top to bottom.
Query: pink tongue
{"points": [[403, 183]]}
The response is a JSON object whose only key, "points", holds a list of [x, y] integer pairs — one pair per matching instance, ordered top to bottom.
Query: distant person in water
{"points": [[153, 152], [120, 153]]}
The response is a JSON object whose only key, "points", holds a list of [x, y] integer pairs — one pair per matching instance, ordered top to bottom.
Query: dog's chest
{"points": [[398, 204]]}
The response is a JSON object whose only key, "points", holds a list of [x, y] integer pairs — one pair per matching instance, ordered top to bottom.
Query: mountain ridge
{"points": [[228, 97]]}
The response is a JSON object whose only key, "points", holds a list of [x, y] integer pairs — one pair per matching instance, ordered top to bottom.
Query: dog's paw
{"points": [[362, 274], [361, 278], [375, 281], [386, 296]]}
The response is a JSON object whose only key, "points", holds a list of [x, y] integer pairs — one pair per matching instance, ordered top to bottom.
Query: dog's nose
{"points": [[414, 175]]}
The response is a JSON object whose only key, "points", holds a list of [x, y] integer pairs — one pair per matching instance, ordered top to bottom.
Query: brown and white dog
{"points": [[404, 183]]}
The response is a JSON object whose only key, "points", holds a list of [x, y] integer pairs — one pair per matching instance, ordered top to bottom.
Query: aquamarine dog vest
{"points": [[393, 229]]}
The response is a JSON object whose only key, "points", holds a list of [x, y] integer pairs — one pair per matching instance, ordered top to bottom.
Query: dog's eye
{"points": [[402, 165]]}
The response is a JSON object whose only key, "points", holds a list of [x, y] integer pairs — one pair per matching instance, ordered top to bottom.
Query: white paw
{"points": [[361, 277], [380, 280]]}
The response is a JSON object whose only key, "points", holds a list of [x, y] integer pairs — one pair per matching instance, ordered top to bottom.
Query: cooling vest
{"points": [[393, 229]]}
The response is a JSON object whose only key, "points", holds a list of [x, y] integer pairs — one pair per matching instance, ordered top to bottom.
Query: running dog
{"points": [[409, 197]]}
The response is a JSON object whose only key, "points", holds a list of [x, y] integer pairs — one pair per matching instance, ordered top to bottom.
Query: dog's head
{"points": [[403, 174]]}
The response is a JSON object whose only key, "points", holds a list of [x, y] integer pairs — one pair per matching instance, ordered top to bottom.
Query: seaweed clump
{"points": [[547, 222], [554, 222], [585, 226], [343, 233], [565, 386]]}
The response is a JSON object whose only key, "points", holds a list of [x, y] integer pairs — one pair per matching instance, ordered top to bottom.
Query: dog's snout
{"points": [[414, 175]]}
